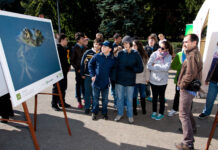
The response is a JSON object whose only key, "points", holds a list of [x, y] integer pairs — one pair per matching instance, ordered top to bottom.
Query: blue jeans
{"points": [[141, 89], [88, 91], [113, 93], [124, 93], [96, 95], [211, 96]]}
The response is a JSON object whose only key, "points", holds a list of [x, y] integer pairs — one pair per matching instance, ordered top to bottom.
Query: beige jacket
{"points": [[191, 68], [141, 78]]}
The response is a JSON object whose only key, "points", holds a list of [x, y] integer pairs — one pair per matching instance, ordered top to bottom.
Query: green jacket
{"points": [[177, 65]]}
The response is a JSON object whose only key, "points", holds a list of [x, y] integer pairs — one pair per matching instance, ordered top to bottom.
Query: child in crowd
{"points": [[100, 67], [85, 72]]}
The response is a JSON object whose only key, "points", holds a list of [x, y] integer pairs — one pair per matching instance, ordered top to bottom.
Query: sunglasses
{"points": [[162, 48]]}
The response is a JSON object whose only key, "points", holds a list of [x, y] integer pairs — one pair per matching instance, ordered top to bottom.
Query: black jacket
{"points": [[150, 50], [76, 56], [63, 59], [127, 65]]}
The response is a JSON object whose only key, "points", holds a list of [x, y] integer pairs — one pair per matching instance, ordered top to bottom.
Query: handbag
{"points": [[195, 85]]}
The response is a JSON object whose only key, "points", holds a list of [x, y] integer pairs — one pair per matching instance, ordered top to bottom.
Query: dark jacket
{"points": [[150, 50], [76, 56], [63, 59], [127, 65], [101, 66], [191, 68], [84, 71], [213, 72]]}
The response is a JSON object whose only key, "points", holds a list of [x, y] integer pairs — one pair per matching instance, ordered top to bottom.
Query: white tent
{"points": [[206, 27]]}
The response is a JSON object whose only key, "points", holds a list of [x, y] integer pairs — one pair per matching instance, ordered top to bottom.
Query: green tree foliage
{"points": [[75, 15], [126, 17]]}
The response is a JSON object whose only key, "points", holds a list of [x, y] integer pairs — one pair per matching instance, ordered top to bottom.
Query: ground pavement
{"points": [[144, 134]]}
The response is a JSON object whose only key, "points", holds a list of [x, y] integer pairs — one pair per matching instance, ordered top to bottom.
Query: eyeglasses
{"points": [[162, 48]]}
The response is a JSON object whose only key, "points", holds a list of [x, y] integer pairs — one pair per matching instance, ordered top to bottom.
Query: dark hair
{"points": [[79, 35], [62, 36], [116, 36], [154, 37], [193, 37], [99, 41], [168, 46], [141, 51]]}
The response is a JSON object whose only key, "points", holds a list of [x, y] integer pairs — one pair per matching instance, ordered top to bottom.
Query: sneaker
{"points": [[149, 99], [65, 105], [80, 106], [56, 108], [87, 111], [172, 113], [153, 115], [202, 116], [94, 117], [105, 117], [159, 117], [117, 118], [131, 120], [182, 146]]}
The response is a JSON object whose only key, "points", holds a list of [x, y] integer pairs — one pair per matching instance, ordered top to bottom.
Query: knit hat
{"points": [[127, 39], [107, 43]]}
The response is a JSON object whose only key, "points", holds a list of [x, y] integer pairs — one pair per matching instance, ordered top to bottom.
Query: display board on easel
{"points": [[28, 55]]}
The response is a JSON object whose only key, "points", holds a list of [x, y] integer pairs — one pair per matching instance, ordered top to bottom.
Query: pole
{"points": [[59, 26]]}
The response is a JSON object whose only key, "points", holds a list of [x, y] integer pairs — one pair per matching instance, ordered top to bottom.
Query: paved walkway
{"points": [[144, 134]]}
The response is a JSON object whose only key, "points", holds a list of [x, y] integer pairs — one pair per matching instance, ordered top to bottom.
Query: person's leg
{"points": [[78, 87], [142, 88], [154, 89], [162, 90], [88, 92], [113, 92], [96, 94], [104, 94], [135, 95], [211, 96], [129, 98], [55, 99], [120, 99], [176, 100], [184, 116]]}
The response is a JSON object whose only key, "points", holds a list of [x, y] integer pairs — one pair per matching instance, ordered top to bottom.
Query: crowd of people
{"points": [[128, 68]]}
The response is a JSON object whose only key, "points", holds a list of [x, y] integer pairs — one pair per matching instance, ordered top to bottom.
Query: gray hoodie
{"points": [[159, 71]]}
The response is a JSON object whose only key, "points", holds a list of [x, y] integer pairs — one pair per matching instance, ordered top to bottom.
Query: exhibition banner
{"points": [[28, 55]]}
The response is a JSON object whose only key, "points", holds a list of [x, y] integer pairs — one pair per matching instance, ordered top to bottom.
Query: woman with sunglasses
{"points": [[159, 64]]}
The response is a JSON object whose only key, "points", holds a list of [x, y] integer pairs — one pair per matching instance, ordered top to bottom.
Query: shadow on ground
{"points": [[55, 137]]}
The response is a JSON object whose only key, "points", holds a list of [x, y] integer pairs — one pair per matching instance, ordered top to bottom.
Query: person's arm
{"points": [[72, 58], [151, 61], [83, 64], [139, 65], [92, 66], [163, 67], [190, 72]]}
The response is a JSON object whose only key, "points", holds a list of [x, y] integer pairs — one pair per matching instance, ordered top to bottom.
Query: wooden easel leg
{"points": [[62, 103], [35, 112], [30, 125], [212, 131]]}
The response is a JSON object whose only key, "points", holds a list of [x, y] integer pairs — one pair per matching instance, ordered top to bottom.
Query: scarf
{"points": [[161, 56]]}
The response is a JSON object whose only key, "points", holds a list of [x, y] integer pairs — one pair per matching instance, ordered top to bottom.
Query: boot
{"points": [[143, 105], [135, 106]]}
